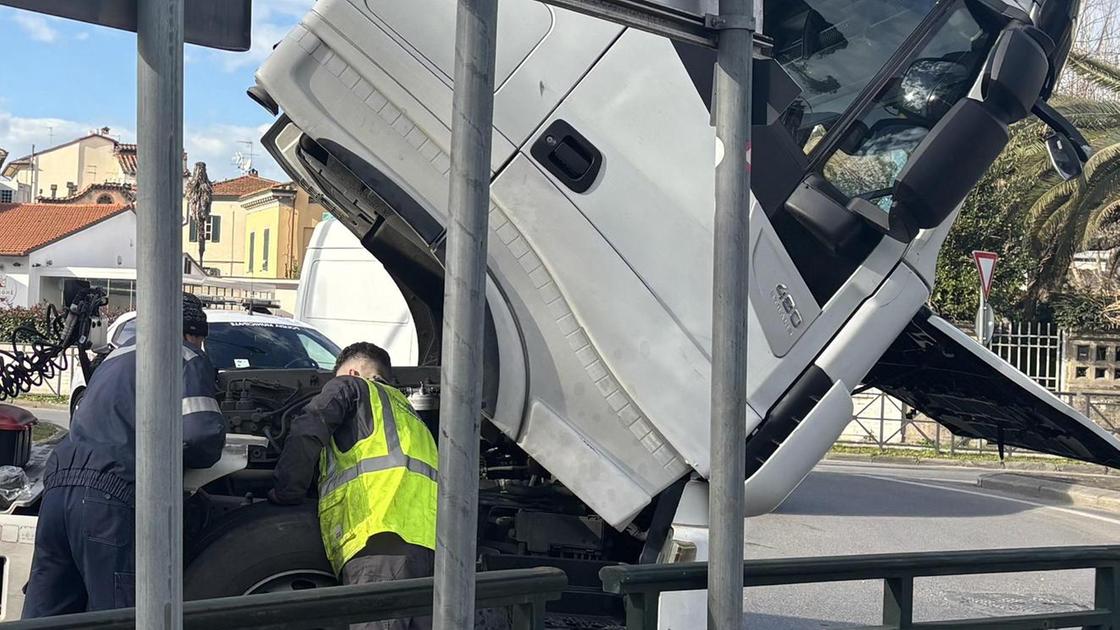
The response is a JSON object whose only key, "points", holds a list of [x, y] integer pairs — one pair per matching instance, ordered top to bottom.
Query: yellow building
{"points": [[67, 169], [258, 228]]}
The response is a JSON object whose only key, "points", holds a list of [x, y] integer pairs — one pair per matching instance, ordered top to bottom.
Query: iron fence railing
{"points": [[884, 422], [641, 585], [522, 591]]}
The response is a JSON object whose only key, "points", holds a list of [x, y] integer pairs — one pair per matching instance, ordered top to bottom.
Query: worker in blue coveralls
{"points": [[85, 543]]}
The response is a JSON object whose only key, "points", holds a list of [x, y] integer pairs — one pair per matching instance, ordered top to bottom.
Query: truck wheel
{"points": [[75, 400], [258, 549]]}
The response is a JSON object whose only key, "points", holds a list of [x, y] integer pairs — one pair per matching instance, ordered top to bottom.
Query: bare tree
{"points": [[200, 194]]}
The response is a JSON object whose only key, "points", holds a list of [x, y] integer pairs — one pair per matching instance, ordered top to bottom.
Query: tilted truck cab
{"points": [[880, 116]]}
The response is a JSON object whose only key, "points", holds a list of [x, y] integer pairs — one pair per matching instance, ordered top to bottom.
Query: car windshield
{"points": [[236, 345], [258, 345]]}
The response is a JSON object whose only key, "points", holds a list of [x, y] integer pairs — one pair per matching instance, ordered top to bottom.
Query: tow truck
{"points": [[878, 117]]}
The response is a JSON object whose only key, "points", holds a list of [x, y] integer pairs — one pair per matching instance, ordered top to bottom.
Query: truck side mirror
{"points": [[960, 147], [1063, 155]]}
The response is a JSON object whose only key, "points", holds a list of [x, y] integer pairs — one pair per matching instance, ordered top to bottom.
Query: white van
{"points": [[346, 293]]}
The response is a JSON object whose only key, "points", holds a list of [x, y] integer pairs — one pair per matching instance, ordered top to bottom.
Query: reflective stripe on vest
{"points": [[394, 459], [384, 483]]}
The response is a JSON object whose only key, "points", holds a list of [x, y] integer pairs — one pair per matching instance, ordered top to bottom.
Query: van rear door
{"points": [[946, 375]]}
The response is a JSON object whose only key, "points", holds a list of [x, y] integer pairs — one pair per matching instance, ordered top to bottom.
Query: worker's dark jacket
{"points": [[337, 411], [100, 451]]}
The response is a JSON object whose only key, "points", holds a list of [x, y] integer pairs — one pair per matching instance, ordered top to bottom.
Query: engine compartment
{"points": [[524, 512]]}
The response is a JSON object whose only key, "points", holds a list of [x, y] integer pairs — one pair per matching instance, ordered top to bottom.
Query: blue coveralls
{"points": [[85, 540]]}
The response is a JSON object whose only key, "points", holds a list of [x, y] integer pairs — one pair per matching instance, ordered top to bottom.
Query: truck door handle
{"points": [[569, 156]]}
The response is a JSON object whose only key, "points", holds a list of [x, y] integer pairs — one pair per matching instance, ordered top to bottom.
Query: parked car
{"points": [[238, 340]]}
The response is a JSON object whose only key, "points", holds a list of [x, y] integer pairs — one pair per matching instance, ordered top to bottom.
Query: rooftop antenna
{"points": [[243, 160]]}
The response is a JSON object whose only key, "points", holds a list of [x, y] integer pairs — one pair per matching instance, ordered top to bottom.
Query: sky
{"points": [[63, 79]]}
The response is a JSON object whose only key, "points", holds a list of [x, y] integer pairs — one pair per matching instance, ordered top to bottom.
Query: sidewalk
{"points": [[1011, 463], [1085, 491]]}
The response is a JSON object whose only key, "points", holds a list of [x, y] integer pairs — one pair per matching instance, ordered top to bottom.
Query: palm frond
{"points": [[1095, 70]]}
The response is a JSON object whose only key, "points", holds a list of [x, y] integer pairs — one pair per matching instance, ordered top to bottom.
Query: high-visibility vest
{"points": [[385, 483]]}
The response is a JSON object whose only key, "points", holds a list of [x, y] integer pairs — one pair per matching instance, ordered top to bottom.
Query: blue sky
{"points": [[63, 79]]}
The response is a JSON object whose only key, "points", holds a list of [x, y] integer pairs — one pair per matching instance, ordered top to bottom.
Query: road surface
{"points": [[60, 417], [863, 509]]}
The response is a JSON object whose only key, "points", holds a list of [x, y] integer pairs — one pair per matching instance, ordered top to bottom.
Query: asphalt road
{"points": [[60, 417], [863, 509]]}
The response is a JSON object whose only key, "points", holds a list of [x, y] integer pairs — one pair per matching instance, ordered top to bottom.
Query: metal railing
{"points": [[882, 421], [641, 585], [522, 591]]}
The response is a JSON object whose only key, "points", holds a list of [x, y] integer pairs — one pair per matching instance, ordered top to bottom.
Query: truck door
{"points": [[631, 150]]}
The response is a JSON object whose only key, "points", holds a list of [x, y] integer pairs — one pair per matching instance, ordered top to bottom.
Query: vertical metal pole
{"points": [[732, 101], [464, 300], [159, 371]]}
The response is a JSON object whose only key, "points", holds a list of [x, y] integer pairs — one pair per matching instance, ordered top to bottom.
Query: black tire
{"points": [[75, 400], [253, 546]]}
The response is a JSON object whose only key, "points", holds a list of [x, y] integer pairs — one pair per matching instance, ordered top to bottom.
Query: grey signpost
{"points": [[985, 319]]}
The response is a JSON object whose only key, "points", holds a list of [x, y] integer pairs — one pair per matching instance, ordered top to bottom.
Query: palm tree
{"points": [[1082, 213]]}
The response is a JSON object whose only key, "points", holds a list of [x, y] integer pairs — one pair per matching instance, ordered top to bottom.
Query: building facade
{"points": [[66, 169], [258, 228]]}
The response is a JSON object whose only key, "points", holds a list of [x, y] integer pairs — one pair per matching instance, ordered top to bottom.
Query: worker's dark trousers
{"points": [[84, 554], [385, 558]]}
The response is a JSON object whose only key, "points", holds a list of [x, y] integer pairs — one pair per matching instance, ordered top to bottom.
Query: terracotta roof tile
{"points": [[126, 156], [243, 185], [26, 227]]}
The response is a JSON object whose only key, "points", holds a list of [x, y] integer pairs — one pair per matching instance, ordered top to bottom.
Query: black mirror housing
{"points": [[1063, 155], [948, 163]]}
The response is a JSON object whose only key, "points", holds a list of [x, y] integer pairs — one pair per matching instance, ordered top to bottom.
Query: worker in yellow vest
{"points": [[377, 475]]}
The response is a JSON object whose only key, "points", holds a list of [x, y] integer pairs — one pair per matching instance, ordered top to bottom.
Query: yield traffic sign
{"points": [[986, 265]]}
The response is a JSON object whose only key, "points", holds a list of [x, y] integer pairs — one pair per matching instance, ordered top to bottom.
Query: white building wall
{"points": [[109, 244], [14, 280]]}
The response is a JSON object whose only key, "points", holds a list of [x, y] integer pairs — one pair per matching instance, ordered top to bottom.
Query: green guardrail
{"points": [[641, 585], [522, 591]]}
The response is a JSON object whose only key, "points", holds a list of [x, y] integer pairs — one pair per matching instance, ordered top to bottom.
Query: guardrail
{"points": [[641, 585], [523, 591]]}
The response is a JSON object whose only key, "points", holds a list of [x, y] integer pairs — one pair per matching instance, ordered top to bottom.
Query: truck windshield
{"points": [[832, 49], [888, 129]]}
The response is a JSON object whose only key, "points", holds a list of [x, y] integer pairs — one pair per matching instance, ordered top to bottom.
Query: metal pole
{"points": [[732, 101], [464, 302], [159, 372]]}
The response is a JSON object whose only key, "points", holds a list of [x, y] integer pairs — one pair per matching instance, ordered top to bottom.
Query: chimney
{"points": [[71, 189], [54, 191]]}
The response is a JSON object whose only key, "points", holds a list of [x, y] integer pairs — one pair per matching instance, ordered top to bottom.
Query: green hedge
{"points": [[16, 316]]}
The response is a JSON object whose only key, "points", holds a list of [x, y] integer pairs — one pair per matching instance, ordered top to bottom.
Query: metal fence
{"points": [[1034, 348], [884, 422], [641, 585], [522, 591]]}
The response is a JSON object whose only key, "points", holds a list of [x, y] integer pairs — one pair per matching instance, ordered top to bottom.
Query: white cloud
{"points": [[271, 22], [36, 26], [18, 134], [213, 144], [217, 144]]}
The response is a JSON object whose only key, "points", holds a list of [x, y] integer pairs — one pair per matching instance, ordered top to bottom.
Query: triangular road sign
{"points": [[986, 265]]}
